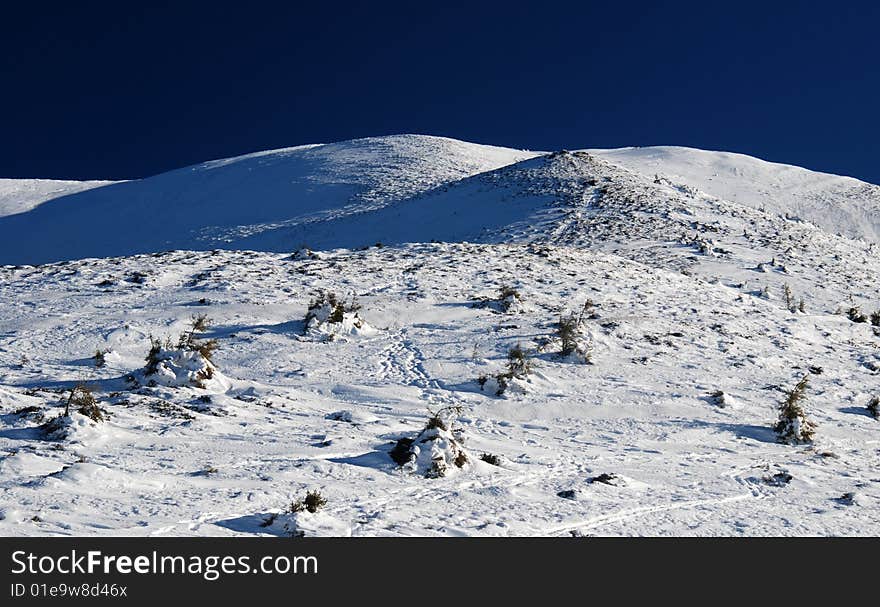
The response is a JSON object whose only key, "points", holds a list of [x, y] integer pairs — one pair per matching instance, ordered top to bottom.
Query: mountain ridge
{"points": [[315, 195]]}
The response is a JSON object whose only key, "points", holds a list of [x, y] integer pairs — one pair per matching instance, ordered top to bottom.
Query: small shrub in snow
{"points": [[703, 245], [303, 253], [787, 296], [508, 298], [789, 300], [854, 313], [328, 315], [875, 318], [200, 324], [568, 331], [190, 339], [99, 358], [189, 362], [519, 362], [519, 366], [179, 367], [494, 384], [720, 398], [83, 400], [874, 407], [92, 411], [73, 424], [793, 426], [56, 428], [437, 450], [401, 453], [491, 459], [778, 479], [615, 480], [847, 499], [313, 502], [303, 518]]}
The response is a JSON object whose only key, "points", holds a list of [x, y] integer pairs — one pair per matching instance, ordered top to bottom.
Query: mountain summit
{"points": [[397, 189]]}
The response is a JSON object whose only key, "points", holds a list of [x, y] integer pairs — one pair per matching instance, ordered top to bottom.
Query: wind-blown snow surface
{"points": [[687, 299]]}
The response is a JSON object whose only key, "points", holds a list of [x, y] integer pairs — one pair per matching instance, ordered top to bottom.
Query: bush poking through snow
{"points": [[508, 298], [788, 298], [508, 301], [790, 302], [855, 315], [329, 316], [875, 318], [200, 324], [567, 332], [189, 339], [571, 340], [99, 358], [189, 362], [519, 363], [175, 366], [519, 366], [719, 398], [83, 399], [874, 407], [80, 410], [793, 426], [57, 428], [437, 450], [402, 451], [491, 459], [606, 478], [312, 502], [303, 518]]}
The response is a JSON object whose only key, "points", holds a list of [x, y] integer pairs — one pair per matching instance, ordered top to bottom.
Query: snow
{"points": [[20, 195], [251, 201], [838, 204], [666, 428]]}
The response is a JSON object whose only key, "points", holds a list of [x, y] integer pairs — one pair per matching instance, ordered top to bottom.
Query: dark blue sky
{"points": [[107, 90]]}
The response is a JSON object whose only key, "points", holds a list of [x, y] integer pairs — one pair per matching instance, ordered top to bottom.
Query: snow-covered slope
{"points": [[395, 189], [20, 195], [224, 202], [838, 204], [695, 311]]}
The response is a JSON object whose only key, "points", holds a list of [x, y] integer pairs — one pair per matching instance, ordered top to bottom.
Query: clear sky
{"points": [[126, 89]]}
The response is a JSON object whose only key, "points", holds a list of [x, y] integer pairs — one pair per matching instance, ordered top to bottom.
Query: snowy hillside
{"points": [[20, 195], [226, 203], [838, 204], [477, 341]]}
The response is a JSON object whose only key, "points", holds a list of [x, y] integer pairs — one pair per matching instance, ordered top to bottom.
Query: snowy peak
{"points": [[416, 188], [220, 203]]}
